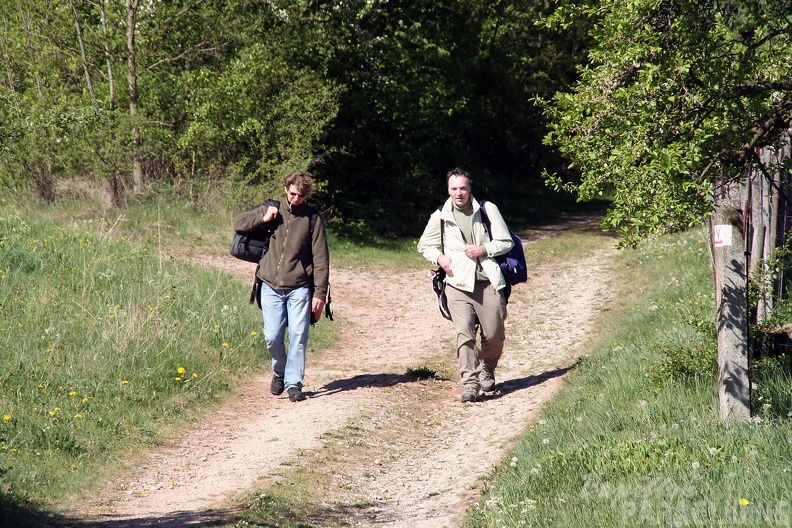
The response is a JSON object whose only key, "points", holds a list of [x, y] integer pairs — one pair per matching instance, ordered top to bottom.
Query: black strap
{"points": [[486, 219], [442, 232], [255, 292], [328, 311]]}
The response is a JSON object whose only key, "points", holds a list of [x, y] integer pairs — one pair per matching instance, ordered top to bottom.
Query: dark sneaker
{"points": [[487, 380], [276, 387], [296, 394], [470, 394]]}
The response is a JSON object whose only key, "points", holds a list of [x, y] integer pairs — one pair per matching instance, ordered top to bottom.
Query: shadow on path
{"points": [[363, 381], [514, 385], [319, 516], [171, 520]]}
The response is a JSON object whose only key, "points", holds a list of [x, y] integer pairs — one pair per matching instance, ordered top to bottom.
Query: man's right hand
{"points": [[271, 213], [445, 263]]}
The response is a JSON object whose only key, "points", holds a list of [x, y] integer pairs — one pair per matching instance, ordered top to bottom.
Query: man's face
{"points": [[459, 190], [294, 196]]}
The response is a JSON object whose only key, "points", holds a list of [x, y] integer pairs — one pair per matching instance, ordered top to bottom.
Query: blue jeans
{"points": [[292, 309]]}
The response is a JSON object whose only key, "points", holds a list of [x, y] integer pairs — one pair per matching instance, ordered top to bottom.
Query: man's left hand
{"points": [[473, 252], [317, 305]]}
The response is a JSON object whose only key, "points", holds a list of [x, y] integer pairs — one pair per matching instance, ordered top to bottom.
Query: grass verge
{"points": [[108, 342], [633, 439]]}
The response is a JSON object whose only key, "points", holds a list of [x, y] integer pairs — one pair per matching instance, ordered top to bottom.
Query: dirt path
{"points": [[379, 446]]}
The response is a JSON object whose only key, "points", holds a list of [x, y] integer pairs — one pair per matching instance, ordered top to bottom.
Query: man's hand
{"points": [[271, 213], [473, 252], [445, 263], [317, 305]]}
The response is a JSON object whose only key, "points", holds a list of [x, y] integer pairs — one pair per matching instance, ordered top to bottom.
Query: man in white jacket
{"points": [[456, 238]]}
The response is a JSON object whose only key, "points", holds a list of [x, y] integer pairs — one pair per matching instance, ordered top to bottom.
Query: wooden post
{"points": [[728, 241]]}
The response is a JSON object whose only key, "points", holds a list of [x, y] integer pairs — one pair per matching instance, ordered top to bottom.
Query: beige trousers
{"points": [[484, 309]]}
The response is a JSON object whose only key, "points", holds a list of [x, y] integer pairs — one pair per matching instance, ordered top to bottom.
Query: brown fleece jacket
{"points": [[294, 259]]}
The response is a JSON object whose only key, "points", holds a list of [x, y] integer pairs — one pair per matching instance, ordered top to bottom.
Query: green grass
{"points": [[103, 346], [627, 443]]}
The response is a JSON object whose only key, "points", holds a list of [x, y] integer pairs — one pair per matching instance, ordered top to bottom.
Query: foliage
{"points": [[676, 94], [212, 98], [378, 99], [692, 352], [772, 383], [616, 449]]}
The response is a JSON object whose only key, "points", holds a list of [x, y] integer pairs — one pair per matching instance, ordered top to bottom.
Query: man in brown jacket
{"points": [[295, 272]]}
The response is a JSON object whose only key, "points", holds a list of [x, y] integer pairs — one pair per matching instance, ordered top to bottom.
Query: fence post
{"points": [[729, 247]]}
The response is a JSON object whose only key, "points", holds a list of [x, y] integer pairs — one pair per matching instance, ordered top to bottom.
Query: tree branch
{"points": [[180, 13], [192, 49]]}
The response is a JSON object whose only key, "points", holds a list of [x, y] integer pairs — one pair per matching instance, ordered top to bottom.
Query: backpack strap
{"points": [[486, 219], [507, 289], [255, 292]]}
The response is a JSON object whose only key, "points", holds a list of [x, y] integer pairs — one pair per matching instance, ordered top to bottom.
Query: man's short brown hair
{"points": [[453, 173], [300, 180]]}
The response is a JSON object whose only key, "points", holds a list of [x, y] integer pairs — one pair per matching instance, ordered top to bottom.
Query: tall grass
{"points": [[104, 346], [632, 439]]}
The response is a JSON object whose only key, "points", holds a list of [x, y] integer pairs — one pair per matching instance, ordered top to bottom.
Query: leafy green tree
{"points": [[205, 91], [677, 94], [378, 98], [673, 111]]}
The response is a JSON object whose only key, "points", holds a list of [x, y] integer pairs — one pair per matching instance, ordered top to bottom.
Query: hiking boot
{"points": [[487, 380], [276, 387], [296, 394], [470, 394]]}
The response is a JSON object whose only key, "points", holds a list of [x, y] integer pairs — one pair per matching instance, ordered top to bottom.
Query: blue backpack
{"points": [[512, 264]]}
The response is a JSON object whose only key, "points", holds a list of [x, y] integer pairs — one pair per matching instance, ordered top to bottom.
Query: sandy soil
{"points": [[415, 456]]}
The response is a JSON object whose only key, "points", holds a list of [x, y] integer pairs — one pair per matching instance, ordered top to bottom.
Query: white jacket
{"points": [[464, 268]]}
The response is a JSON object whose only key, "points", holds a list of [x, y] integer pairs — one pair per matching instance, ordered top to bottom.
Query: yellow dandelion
{"points": [[253, 333], [224, 344], [180, 370], [195, 374], [178, 378], [124, 382], [72, 393], [85, 400], [52, 413], [78, 416], [6, 417], [744, 501]]}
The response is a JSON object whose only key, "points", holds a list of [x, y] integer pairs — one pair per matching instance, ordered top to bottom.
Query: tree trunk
{"points": [[24, 19], [83, 54], [108, 58], [137, 166], [116, 198], [728, 241]]}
